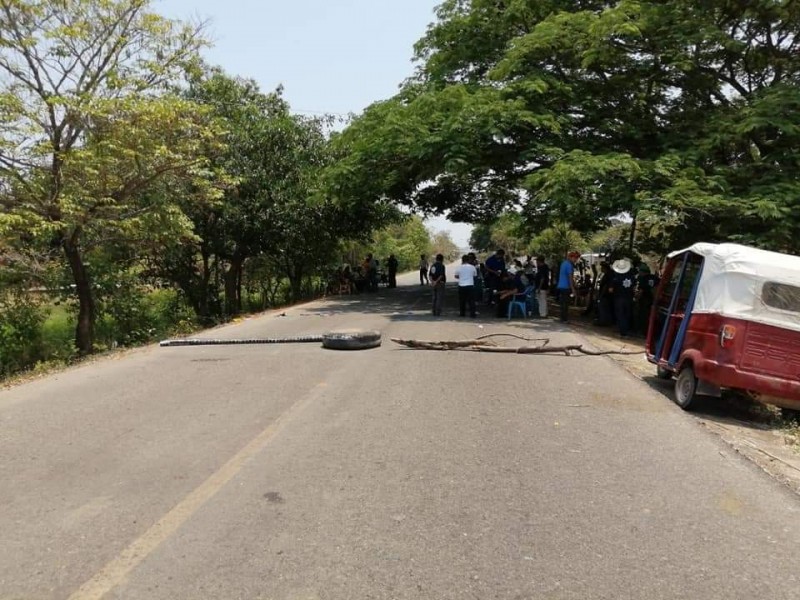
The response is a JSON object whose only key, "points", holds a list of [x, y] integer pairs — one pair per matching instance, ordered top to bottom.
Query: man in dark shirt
{"points": [[391, 265], [495, 268], [438, 279], [542, 283], [646, 285], [510, 286], [605, 295]]}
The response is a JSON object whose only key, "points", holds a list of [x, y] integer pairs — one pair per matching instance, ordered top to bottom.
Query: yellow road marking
{"points": [[119, 568]]}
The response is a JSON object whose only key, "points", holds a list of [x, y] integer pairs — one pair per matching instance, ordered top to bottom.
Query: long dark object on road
{"points": [[303, 339], [334, 340], [482, 345]]}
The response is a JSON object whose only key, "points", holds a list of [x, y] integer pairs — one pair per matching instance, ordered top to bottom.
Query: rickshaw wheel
{"points": [[663, 373], [685, 388]]}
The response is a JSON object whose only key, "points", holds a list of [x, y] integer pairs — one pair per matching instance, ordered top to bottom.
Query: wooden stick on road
{"points": [[484, 345]]}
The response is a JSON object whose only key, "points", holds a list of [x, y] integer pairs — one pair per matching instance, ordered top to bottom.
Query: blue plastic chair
{"points": [[523, 301]]}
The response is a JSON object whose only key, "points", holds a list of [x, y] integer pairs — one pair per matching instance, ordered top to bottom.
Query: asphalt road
{"points": [[293, 472]]}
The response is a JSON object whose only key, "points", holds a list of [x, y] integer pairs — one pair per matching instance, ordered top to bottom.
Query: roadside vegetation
{"points": [[145, 193]]}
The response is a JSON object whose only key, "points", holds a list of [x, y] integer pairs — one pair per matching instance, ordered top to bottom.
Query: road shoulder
{"points": [[748, 428]]}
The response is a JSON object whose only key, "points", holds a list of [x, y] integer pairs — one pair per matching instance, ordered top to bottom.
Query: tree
{"points": [[579, 112], [91, 123], [407, 240], [556, 241], [442, 243]]}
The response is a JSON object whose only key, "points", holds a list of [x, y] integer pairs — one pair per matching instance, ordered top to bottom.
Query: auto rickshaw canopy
{"points": [[748, 283]]}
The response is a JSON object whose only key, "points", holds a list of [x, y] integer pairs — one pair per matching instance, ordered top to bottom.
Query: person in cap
{"points": [[566, 284], [646, 285], [623, 288]]}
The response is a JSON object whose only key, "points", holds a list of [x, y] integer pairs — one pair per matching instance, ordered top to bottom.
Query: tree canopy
{"points": [[682, 115]]}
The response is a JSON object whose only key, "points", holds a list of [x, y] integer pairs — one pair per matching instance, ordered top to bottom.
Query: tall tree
{"points": [[580, 111], [91, 121]]}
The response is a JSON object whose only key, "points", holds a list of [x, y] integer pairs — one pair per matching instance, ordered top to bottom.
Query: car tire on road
{"points": [[351, 340], [686, 388]]}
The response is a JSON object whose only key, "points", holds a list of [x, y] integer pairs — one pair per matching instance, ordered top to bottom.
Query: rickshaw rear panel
{"points": [[760, 359]]}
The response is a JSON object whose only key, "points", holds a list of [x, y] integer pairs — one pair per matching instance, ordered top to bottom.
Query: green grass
{"points": [[58, 334]]}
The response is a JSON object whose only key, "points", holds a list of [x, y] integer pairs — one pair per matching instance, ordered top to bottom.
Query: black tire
{"points": [[351, 340], [663, 373], [686, 388]]}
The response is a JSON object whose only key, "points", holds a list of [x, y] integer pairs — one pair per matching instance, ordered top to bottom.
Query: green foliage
{"points": [[683, 115], [92, 127], [614, 239], [407, 240], [554, 242], [442, 243], [21, 319]]}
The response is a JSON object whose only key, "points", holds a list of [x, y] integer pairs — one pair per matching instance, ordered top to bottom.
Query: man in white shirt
{"points": [[466, 275]]}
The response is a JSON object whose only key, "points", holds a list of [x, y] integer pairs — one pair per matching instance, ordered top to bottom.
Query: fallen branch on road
{"points": [[485, 345]]}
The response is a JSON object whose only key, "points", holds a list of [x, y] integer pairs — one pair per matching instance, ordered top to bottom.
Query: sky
{"points": [[331, 56]]}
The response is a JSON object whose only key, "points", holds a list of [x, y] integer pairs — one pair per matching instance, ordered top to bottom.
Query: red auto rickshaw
{"points": [[727, 316]]}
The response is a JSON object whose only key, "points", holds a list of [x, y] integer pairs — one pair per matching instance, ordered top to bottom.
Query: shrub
{"points": [[21, 319]]}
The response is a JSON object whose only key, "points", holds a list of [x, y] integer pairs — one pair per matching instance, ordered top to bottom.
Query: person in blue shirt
{"points": [[566, 284]]}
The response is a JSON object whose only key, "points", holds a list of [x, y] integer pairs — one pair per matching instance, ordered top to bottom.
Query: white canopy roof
{"points": [[733, 281]]}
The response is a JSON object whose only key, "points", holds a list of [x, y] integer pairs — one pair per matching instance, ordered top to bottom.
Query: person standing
{"points": [[391, 265], [495, 269], [423, 270], [466, 275], [438, 278], [542, 283], [566, 284], [646, 285], [624, 287], [478, 291], [605, 295]]}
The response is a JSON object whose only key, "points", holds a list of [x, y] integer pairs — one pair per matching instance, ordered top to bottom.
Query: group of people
{"points": [[365, 277], [495, 282], [623, 295]]}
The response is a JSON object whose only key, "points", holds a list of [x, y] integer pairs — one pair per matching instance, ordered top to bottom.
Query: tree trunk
{"points": [[632, 239], [295, 274], [239, 277], [205, 279], [232, 301], [84, 332]]}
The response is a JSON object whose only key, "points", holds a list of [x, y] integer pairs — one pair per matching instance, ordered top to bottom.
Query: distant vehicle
{"points": [[728, 317]]}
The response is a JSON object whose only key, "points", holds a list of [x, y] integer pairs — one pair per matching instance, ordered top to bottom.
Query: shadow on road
{"points": [[414, 303], [731, 408]]}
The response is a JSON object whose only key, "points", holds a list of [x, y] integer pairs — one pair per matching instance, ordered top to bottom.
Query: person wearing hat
{"points": [[566, 284], [646, 285], [623, 288]]}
